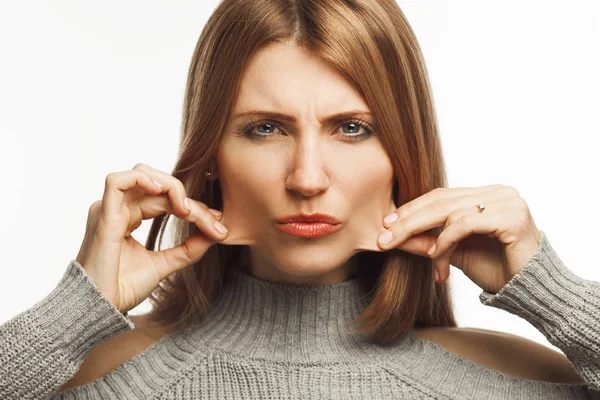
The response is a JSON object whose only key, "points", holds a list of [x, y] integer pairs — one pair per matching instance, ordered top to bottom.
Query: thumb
{"points": [[190, 251]]}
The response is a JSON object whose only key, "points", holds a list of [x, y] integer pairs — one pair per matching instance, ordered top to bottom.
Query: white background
{"points": [[89, 88]]}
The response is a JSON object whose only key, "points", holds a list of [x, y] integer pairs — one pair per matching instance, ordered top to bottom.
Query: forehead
{"points": [[292, 80]]}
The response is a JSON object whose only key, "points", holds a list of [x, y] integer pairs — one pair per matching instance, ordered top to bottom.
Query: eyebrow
{"points": [[274, 115]]}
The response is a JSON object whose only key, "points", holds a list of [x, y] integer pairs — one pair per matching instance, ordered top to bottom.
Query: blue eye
{"points": [[355, 124]]}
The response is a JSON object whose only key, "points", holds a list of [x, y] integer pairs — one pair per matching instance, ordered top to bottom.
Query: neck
{"points": [[260, 268]]}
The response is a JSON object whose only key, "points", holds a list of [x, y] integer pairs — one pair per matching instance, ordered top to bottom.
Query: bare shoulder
{"points": [[114, 352], [505, 352]]}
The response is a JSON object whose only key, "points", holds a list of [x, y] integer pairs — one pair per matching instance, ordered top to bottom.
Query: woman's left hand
{"points": [[490, 247]]}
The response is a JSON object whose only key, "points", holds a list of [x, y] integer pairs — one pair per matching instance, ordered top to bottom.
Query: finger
{"points": [[117, 183], [172, 186], [417, 204], [152, 206], [501, 209], [436, 213], [218, 214], [205, 221], [450, 238], [417, 244], [190, 251], [442, 264]]}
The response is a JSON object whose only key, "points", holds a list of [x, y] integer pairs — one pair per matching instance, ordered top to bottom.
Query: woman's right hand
{"points": [[123, 269]]}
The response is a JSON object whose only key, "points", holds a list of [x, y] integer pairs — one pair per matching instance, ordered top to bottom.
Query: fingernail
{"points": [[157, 184], [186, 204], [215, 212], [390, 218], [219, 226], [385, 237], [432, 249], [436, 275]]}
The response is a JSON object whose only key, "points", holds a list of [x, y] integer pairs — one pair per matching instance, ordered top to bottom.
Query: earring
{"points": [[207, 173]]}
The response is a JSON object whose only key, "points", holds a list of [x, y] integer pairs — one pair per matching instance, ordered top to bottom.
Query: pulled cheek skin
{"points": [[240, 222], [369, 225], [362, 228]]}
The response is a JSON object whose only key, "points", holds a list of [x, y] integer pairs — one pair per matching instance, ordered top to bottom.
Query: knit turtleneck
{"points": [[286, 322], [280, 341]]}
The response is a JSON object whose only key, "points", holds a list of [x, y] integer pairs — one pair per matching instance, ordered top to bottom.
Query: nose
{"points": [[309, 170]]}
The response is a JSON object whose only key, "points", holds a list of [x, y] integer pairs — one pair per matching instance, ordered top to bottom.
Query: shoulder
{"points": [[114, 352], [505, 352]]}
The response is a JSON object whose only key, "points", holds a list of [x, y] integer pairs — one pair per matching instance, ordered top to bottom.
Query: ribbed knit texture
{"points": [[273, 341]]}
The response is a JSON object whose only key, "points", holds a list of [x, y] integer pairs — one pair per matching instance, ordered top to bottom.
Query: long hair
{"points": [[372, 45]]}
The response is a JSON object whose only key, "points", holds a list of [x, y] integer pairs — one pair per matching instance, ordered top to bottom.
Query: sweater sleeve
{"points": [[560, 304], [44, 346]]}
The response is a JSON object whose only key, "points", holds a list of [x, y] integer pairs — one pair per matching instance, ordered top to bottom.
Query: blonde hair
{"points": [[372, 45]]}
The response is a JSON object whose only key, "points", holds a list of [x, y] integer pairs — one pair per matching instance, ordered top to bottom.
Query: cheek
{"points": [[370, 166], [249, 178], [369, 180]]}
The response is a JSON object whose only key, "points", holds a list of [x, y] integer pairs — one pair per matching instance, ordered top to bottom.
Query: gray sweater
{"points": [[272, 341]]}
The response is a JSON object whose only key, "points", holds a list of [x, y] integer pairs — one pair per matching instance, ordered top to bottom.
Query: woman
{"points": [[294, 110]]}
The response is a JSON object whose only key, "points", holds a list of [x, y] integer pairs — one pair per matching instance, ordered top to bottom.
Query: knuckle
{"points": [[140, 166], [143, 175], [140, 176], [111, 179], [180, 186], [495, 186], [510, 190], [438, 192], [177, 193], [522, 204], [95, 206], [440, 206], [403, 212], [209, 217], [453, 217], [464, 219], [204, 224]]}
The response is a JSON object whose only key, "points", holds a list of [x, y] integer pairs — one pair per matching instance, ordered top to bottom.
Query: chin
{"points": [[304, 262]]}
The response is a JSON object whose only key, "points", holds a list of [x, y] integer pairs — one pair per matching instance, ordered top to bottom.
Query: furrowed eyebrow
{"points": [[344, 115]]}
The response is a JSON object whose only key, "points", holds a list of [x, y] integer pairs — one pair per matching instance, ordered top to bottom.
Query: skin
{"points": [[301, 166], [309, 167], [490, 246]]}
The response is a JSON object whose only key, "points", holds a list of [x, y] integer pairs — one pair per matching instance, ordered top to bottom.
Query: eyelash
{"points": [[355, 138]]}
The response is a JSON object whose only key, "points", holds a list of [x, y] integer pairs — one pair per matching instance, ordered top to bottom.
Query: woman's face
{"points": [[301, 163]]}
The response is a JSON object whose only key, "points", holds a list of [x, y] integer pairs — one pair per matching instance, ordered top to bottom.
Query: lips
{"points": [[309, 218], [309, 225]]}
